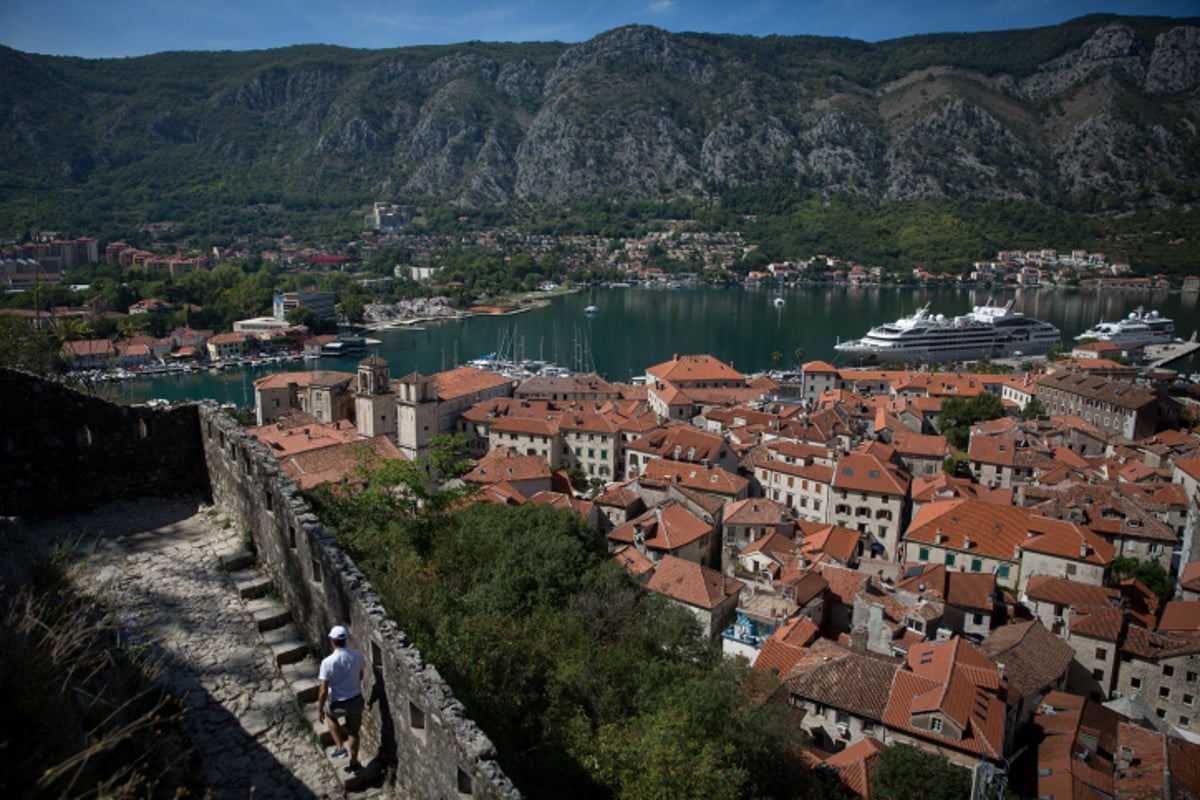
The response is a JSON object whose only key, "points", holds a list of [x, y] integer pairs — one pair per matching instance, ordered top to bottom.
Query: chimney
{"points": [[937, 536], [966, 542], [1083, 549], [1016, 552], [1000, 669]]}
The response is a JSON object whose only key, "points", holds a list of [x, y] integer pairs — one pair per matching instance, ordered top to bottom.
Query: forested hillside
{"points": [[1098, 115]]}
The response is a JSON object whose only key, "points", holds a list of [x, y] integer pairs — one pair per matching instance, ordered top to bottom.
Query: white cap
{"points": [[338, 633]]}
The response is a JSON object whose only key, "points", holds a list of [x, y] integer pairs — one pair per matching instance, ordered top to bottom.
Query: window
{"points": [[923, 554], [949, 559], [976, 565], [1070, 569], [1003, 573], [977, 619], [1101, 653], [1168, 670], [1098, 674], [1191, 677], [1135, 683], [1164, 692], [1189, 699], [1160, 713], [843, 717], [1184, 722], [935, 724]]}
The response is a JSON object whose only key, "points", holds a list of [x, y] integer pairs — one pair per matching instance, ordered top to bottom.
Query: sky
{"points": [[118, 28]]}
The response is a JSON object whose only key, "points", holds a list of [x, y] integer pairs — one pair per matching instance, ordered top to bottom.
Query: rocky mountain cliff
{"points": [[1100, 114]]}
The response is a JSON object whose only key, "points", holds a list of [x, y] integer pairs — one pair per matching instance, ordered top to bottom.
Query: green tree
{"points": [[354, 309], [303, 315], [24, 347], [798, 353], [776, 358], [1033, 409], [958, 414], [1150, 573], [904, 772]]}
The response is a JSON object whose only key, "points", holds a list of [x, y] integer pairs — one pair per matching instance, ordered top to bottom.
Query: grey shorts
{"points": [[351, 709]]}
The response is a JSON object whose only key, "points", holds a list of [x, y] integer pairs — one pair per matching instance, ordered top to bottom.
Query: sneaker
{"points": [[339, 753], [353, 769]]}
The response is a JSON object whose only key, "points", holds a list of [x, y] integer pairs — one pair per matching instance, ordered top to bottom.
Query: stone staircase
{"points": [[296, 661]]}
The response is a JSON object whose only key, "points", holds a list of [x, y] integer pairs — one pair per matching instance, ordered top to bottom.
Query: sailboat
{"points": [[779, 293], [591, 307]]}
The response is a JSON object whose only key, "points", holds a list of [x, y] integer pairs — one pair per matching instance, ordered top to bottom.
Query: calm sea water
{"points": [[639, 327]]}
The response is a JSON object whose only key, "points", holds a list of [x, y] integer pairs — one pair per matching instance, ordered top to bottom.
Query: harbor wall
{"points": [[414, 724]]}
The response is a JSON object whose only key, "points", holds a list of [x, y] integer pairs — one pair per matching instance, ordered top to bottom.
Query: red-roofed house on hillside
{"points": [[816, 378], [678, 443], [528, 474], [871, 496], [745, 521], [667, 530], [970, 535], [1064, 550], [710, 596], [843, 692], [946, 699]]}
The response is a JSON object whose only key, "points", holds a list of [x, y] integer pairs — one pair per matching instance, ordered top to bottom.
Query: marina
{"points": [[638, 327]]}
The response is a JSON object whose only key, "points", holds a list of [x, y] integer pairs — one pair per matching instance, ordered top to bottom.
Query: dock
{"points": [[1164, 354]]}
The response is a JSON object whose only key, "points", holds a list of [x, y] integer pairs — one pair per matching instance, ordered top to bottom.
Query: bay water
{"points": [[638, 327]]}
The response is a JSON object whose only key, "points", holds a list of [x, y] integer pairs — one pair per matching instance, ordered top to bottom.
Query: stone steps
{"points": [[268, 614], [286, 645], [292, 654]]}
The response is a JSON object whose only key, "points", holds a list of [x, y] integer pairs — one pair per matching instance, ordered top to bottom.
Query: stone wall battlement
{"points": [[414, 723]]}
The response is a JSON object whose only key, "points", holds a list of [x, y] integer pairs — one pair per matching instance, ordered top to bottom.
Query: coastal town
{"points": [[1017, 592], [1025, 605]]}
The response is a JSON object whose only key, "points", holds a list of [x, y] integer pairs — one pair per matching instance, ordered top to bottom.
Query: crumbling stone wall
{"points": [[62, 451], [414, 722]]}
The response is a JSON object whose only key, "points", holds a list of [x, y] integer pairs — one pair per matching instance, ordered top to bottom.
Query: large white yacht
{"points": [[1140, 327], [988, 330]]}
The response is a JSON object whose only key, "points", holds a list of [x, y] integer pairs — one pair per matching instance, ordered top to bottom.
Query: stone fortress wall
{"points": [[62, 451], [413, 722]]}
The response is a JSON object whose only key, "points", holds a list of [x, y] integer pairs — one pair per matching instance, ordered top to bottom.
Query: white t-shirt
{"points": [[341, 670]]}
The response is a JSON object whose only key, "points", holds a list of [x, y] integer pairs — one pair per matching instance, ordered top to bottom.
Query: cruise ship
{"points": [[1140, 327], [988, 330]]}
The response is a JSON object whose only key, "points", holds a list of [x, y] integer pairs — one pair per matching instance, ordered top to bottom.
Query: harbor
{"points": [[633, 327]]}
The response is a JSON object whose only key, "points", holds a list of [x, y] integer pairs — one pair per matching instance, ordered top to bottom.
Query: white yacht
{"points": [[1140, 327], [988, 330]]}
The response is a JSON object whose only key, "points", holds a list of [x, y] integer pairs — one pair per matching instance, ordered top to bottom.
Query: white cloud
{"points": [[663, 6]]}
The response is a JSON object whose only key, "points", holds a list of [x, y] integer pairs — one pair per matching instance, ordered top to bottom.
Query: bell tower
{"points": [[374, 400]]}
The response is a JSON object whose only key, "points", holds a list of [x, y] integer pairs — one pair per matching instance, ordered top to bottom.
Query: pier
{"points": [[1161, 355]]}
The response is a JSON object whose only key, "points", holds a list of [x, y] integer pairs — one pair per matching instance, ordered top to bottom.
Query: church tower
{"points": [[374, 400], [416, 414]]}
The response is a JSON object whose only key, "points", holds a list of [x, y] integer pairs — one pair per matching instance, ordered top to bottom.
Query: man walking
{"points": [[341, 677]]}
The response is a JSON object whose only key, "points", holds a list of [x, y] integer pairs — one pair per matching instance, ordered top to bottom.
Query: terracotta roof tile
{"points": [[695, 368], [858, 472], [665, 529], [993, 530], [692, 583], [1080, 596], [1181, 617], [1033, 657], [855, 681]]}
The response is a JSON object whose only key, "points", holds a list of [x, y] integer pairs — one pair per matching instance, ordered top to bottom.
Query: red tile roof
{"points": [[687, 369], [461, 381], [505, 464], [858, 472], [695, 477], [665, 529], [993, 530], [1066, 540], [692, 583], [1080, 596], [1181, 617], [786, 646], [1033, 657], [954, 680], [856, 763]]}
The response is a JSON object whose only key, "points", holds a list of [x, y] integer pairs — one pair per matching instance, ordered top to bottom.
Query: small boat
{"points": [[778, 302], [591, 310]]}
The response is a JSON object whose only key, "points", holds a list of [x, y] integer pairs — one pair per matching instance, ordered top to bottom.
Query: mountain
{"points": [[1099, 114]]}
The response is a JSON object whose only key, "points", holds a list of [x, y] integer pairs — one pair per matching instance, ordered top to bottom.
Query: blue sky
{"points": [[98, 29]]}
